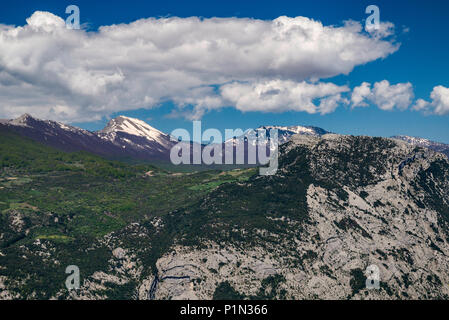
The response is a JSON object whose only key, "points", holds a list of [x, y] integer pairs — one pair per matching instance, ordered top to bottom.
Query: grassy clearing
{"points": [[238, 175], [10, 182], [55, 238]]}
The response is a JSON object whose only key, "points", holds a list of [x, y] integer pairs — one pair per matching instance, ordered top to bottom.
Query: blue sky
{"points": [[422, 59]]}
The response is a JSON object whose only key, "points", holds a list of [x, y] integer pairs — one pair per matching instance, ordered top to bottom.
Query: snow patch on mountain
{"points": [[49, 126], [134, 127], [284, 133], [426, 143]]}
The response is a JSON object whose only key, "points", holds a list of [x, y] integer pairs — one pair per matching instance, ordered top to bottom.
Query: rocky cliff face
{"points": [[369, 202]]}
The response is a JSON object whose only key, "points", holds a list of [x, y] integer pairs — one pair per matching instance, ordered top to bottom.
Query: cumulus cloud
{"points": [[45, 21], [385, 29], [75, 75], [360, 94], [383, 94], [284, 95], [388, 97], [440, 100], [439, 104], [420, 105]]}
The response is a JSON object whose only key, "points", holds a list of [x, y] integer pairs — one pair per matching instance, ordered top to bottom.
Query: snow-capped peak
{"points": [[23, 120], [133, 127], [306, 130], [284, 132], [418, 141], [421, 142]]}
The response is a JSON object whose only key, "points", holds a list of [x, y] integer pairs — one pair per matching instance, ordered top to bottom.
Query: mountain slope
{"points": [[63, 137], [123, 137], [137, 137], [421, 142], [59, 209]]}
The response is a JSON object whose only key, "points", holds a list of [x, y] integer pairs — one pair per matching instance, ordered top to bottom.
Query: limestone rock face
{"points": [[371, 202]]}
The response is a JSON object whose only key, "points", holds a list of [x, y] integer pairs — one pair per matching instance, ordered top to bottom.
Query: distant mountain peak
{"points": [[26, 116], [23, 120], [132, 126], [307, 130], [284, 132], [136, 135], [122, 137], [418, 140], [422, 142]]}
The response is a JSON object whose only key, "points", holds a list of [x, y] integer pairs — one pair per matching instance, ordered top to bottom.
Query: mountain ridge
{"points": [[126, 137], [112, 141], [427, 143]]}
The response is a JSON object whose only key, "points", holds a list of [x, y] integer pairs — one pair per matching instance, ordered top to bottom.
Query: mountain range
{"points": [[122, 138], [130, 138]]}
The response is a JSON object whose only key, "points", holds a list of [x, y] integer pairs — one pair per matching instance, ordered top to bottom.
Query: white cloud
{"points": [[45, 21], [385, 29], [75, 75], [359, 94], [383, 94], [283, 95], [388, 97], [440, 100], [329, 104], [439, 104], [420, 105]]}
